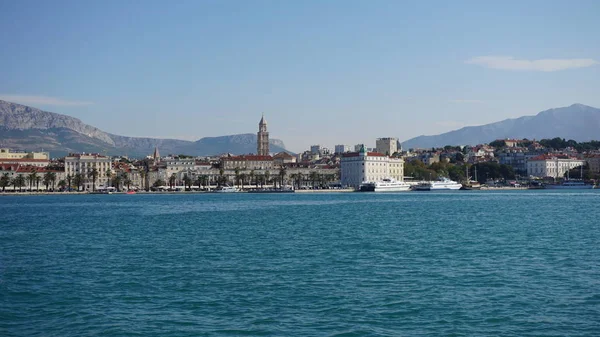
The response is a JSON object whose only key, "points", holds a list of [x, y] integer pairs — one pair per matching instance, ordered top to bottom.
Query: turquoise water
{"points": [[523, 263]]}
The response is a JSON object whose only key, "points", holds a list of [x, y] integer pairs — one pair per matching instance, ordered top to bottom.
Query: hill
{"points": [[578, 122], [27, 128]]}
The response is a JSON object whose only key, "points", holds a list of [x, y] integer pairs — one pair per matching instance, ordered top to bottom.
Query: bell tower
{"points": [[262, 138]]}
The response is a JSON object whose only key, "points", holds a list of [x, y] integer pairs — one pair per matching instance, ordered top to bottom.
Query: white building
{"points": [[387, 146], [9, 154], [83, 164], [551, 165], [362, 166]]}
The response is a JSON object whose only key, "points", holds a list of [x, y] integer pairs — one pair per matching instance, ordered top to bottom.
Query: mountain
{"points": [[578, 122], [27, 128]]}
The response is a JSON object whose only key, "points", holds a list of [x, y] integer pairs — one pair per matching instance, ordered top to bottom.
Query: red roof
{"points": [[30, 169]]}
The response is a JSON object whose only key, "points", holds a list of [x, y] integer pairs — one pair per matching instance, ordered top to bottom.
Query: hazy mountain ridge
{"points": [[578, 122], [27, 128]]}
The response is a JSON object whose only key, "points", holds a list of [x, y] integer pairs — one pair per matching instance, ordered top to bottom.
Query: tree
{"points": [[498, 144], [108, 174], [282, 174], [94, 175], [143, 175], [237, 176], [252, 176], [313, 176], [267, 177], [32, 178], [69, 178], [243, 178], [47, 179], [53, 179], [78, 180], [172, 180], [4, 181], [19, 181], [127, 181], [187, 181], [37, 182], [117, 182], [159, 182], [62, 184]]}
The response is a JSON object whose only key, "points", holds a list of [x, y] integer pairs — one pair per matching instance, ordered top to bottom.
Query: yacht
{"points": [[385, 185], [438, 185], [571, 185], [226, 189]]}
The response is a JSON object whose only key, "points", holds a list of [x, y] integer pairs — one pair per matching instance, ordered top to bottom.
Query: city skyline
{"points": [[203, 69]]}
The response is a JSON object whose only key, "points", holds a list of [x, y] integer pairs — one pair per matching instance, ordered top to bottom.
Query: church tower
{"points": [[262, 138]]}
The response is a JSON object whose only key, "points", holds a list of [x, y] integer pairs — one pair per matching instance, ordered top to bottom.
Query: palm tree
{"points": [[108, 174], [282, 174], [94, 175], [143, 175], [251, 175], [237, 176], [314, 176], [221, 177], [267, 177], [32, 178], [243, 178], [47, 179], [52, 179], [78, 180], [172, 180], [199, 180], [4, 181], [19, 181], [69, 181], [127, 181], [187, 181], [37, 182], [117, 182], [62, 184]]}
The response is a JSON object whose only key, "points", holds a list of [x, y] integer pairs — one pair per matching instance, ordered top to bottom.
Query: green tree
{"points": [[94, 175], [108, 175], [252, 175], [282, 175], [237, 176], [267, 177], [314, 177], [31, 178], [69, 178], [47, 179], [53, 179], [78, 180], [117, 180], [172, 180], [4, 181], [19, 182], [159, 182], [187, 182], [62, 184]]}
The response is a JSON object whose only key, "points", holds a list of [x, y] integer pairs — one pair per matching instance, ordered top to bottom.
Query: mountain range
{"points": [[578, 122], [27, 128]]}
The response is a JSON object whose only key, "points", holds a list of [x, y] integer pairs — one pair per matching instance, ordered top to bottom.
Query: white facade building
{"points": [[84, 164], [551, 165], [362, 166]]}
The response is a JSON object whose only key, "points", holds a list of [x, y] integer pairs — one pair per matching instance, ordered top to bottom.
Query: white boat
{"points": [[441, 184], [386, 185], [571, 185], [226, 189]]}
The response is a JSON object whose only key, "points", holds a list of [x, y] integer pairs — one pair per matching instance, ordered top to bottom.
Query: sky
{"points": [[322, 72]]}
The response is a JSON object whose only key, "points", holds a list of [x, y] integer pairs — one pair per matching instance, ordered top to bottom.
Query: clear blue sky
{"points": [[323, 72]]}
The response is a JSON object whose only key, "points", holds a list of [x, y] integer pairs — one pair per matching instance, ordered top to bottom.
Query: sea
{"points": [[461, 263]]}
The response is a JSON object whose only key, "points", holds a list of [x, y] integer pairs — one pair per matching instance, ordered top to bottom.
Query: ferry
{"points": [[441, 184], [386, 185], [571, 185]]}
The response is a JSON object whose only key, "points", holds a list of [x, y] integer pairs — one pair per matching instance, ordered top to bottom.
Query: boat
{"points": [[442, 184], [385, 185], [470, 185], [571, 185], [226, 189], [272, 190], [131, 192]]}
